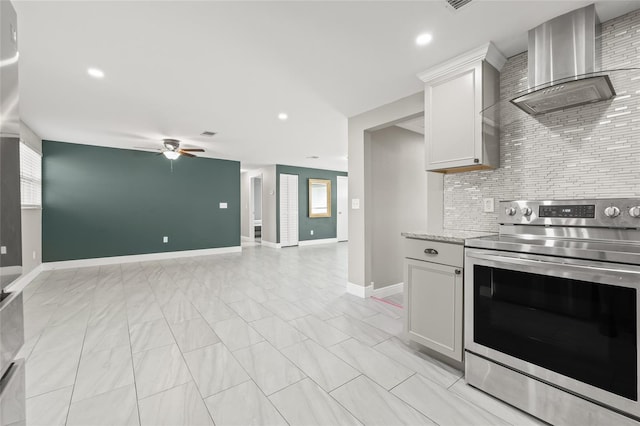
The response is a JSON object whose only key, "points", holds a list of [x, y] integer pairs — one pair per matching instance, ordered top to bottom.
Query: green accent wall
{"points": [[102, 202], [323, 227]]}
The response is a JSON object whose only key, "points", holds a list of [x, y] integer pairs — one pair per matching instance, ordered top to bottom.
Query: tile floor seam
{"points": [[26, 358], [184, 360], [133, 368], [75, 380], [349, 381], [451, 385], [393, 387], [47, 392], [326, 392], [271, 402], [339, 403], [423, 413]]}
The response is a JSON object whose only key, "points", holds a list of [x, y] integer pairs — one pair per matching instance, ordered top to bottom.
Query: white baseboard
{"points": [[243, 238], [319, 241], [270, 244], [99, 261], [24, 280], [358, 290], [388, 290]]}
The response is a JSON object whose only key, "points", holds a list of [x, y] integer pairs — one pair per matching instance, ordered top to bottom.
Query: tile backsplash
{"points": [[591, 151]]}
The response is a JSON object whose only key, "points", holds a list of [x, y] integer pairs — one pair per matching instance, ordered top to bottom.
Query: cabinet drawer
{"points": [[434, 251]]}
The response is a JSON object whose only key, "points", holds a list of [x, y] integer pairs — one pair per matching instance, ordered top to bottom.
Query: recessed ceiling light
{"points": [[424, 39], [95, 72], [283, 116]]}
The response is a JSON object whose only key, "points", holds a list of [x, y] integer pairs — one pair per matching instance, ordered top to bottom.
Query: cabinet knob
{"points": [[476, 160], [431, 251], [458, 271]]}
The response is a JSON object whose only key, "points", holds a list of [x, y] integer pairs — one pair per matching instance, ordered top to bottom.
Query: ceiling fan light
{"points": [[171, 155]]}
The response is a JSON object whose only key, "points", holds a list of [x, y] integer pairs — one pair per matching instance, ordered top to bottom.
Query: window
{"points": [[30, 177]]}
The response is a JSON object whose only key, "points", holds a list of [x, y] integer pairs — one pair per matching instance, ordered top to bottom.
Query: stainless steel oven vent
{"points": [[457, 4], [564, 63]]}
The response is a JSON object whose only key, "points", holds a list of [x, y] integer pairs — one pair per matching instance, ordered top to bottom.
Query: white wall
{"points": [[398, 199], [31, 218], [360, 234]]}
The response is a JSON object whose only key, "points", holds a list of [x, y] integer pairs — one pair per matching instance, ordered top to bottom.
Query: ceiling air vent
{"points": [[457, 4], [207, 133]]}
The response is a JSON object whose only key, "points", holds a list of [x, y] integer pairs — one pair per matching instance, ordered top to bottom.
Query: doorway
{"points": [[255, 209], [342, 231]]}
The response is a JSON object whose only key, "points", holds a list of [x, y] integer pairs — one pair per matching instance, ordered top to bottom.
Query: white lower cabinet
{"points": [[433, 303]]}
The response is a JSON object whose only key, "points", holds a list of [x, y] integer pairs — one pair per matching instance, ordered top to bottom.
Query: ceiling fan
{"points": [[172, 149]]}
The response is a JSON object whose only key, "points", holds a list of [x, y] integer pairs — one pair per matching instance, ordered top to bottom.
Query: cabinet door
{"points": [[453, 122], [433, 300]]}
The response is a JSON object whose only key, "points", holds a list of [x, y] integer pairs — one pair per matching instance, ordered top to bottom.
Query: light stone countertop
{"points": [[447, 236]]}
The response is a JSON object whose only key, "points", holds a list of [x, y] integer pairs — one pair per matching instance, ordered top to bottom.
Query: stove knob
{"points": [[510, 211], [526, 211], [612, 211], [634, 211]]}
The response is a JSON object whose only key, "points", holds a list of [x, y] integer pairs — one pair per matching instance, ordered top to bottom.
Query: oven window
{"points": [[582, 330]]}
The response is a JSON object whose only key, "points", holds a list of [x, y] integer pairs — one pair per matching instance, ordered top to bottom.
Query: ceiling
{"points": [[177, 68]]}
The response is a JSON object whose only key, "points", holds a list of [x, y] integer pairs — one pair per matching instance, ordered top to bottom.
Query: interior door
{"points": [[288, 210], [343, 210]]}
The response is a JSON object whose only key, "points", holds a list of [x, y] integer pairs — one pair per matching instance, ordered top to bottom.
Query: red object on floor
{"points": [[388, 302]]}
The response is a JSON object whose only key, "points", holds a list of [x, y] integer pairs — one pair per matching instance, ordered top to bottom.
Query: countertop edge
{"points": [[451, 239]]}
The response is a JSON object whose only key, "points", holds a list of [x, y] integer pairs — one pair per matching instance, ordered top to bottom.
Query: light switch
{"points": [[355, 203], [223, 205], [488, 205]]}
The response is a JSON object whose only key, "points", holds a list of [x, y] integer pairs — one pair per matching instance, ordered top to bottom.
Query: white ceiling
{"points": [[177, 68]]}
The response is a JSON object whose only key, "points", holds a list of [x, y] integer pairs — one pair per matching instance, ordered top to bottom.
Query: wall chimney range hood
{"points": [[564, 64]]}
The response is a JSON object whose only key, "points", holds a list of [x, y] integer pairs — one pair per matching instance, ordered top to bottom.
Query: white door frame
{"points": [[342, 208], [252, 213]]}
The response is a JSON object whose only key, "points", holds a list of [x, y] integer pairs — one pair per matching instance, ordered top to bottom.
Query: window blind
{"points": [[30, 177]]}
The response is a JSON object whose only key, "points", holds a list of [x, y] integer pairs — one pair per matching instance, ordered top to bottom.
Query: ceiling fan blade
{"points": [[146, 148], [193, 149], [186, 154]]}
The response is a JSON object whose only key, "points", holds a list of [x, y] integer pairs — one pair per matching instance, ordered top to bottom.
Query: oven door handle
{"points": [[532, 262]]}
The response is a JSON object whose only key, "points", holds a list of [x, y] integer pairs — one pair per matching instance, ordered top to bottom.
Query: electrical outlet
{"points": [[355, 203], [223, 205], [488, 205], [311, 232], [165, 239], [3, 250]]}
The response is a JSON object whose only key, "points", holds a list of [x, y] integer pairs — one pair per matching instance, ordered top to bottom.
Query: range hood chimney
{"points": [[564, 53]]}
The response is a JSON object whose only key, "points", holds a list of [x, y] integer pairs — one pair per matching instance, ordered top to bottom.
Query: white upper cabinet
{"points": [[456, 136]]}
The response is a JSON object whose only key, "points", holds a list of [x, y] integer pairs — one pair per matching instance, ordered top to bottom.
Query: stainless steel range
{"points": [[551, 310]]}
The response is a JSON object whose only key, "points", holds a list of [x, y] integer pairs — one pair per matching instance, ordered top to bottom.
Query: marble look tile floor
{"points": [[267, 336]]}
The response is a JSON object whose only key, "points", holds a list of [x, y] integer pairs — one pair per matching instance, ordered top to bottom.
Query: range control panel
{"points": [[587, 211], [609, 213]]}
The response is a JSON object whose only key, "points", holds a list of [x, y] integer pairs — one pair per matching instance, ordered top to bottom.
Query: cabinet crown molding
{"points": [[487, 52]]}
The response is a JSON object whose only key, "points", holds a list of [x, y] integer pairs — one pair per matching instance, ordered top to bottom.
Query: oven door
{"points": [[567, 322]]}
